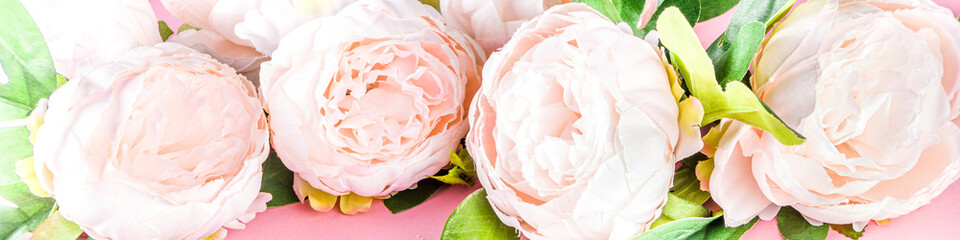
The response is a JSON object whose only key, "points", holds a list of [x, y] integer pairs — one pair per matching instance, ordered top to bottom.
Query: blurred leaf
{"points": [[433, 3], [606, 7], [714, 8], [690, 10], [630, 11], [185, 26], [165, 30], [733, 51], [26, 61], [735, 61], [29, 67], [61, 80], [733, 100], [692, 160], [463, 171], [278, 181], [687, 187], [410, 198], [679, 208], [30, 211], [475, 219], [793, 226], [56, 227], [710, 228], [847, 230]]}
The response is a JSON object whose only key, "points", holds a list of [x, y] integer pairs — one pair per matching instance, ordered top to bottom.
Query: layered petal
{"points": [[872, 85], [371, 100], [575, 130], [161, 143]]}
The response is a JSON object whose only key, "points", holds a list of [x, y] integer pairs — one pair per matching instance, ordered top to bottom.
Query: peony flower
{"points": [[493, 22], [258, 24], [83, 34], [873, 86], [371, 100], [575, 131], [161, 143]]}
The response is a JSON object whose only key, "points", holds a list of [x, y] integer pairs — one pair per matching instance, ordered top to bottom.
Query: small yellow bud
{"points": [[351, 204]]}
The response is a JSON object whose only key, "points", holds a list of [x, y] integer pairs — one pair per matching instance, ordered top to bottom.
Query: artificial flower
{"points": [[873, 85], [369, 101], [576, 129], [162, 142]]}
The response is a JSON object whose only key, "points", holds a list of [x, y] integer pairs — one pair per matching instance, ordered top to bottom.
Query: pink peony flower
{"points": [[873, 86], [371, 100], [576, 131], [161, 143]]}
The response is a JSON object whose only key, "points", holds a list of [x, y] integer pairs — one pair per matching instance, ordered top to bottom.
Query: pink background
{"points": [[939, 220]]}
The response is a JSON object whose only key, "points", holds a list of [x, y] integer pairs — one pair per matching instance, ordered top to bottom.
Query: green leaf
{"points": [[433, 3], [606, 7], [715, 8], [690, 10], [629, 11], [768, 12], [184, 27], [165, 30], [25, 59], [735, 61], [29, 68], [61, 80], [734, 100], [14, 145], [692, 161], [463, 171], [278, 181], [687, 187], [408, 199], [679, 208], [30, 211], [475, 219], [793, 226], [56, 227], [711, 228], [847, 230]]}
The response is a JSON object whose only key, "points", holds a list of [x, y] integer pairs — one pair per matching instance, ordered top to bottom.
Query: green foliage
{"points": [[714, 8], [690, 10], [184, 27], [165, 30], [733, 51], [29, 68], [733, 100], [463, 171], [278, 181], [687, 187], [408, 199], [679, 208], [29, 212], [475, 219], [793, 226], [57, 228], [710, 228], [847, 230]]}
